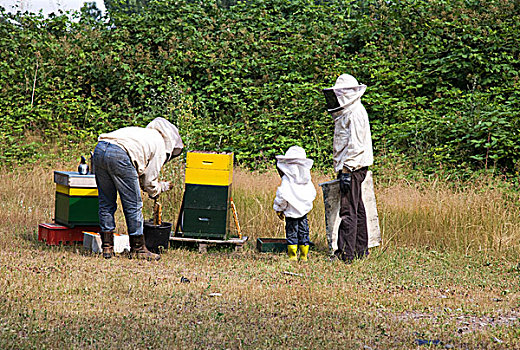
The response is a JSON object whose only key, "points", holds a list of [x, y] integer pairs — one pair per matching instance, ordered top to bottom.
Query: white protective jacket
{"points": [[352, 138], [148, 148], [296, 193]]}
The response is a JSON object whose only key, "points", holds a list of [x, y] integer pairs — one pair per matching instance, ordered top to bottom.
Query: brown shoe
{"points": [[107, 244], [138, 249]]}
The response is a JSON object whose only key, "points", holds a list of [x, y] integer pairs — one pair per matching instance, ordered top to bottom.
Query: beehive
{"points": [[205, 168], [207, 192], [76, 199]]}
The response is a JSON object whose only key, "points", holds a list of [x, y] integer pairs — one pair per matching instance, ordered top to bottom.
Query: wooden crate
{"points": [[55, 234]]}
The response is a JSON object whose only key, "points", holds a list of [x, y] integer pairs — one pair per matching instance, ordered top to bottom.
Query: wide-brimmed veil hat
{"points": [[346, 81], [345, 92], [293, 153], [295, 164]]}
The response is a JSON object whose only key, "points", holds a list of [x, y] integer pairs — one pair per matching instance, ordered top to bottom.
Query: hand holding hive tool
{"points": [[157, 209], [157, 213], [235, 216]]}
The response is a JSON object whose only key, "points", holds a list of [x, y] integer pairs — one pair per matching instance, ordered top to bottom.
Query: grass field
{"points": [[447, 276]]}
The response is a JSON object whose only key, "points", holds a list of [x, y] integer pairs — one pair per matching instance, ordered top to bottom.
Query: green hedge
{"points": [[442, 76]]}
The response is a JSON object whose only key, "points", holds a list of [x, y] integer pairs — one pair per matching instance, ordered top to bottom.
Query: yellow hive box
{"points": [[210, 161], [204, 168], [208, 177], [77, 191]]}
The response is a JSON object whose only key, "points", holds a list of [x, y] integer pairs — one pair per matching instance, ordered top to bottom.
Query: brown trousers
{"points": [[353, 234]]}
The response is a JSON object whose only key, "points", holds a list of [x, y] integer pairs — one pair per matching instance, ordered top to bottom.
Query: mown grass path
{"points": [[61, 298]]}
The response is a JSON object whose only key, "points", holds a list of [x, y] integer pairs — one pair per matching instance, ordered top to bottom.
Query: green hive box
{"points": [[206, 197], [76, 199], [76, 210], [206, 211]]}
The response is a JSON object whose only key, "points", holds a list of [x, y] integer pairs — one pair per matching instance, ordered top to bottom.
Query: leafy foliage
{"points": [[442, 76]]}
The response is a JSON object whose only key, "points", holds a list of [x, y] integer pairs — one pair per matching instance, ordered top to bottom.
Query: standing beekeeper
{"points": [[352, 156], [126, 161], [294, 199]]}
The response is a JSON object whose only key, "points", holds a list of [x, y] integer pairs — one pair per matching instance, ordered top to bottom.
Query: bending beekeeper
{"points": [[352, 155], [126, 161], [294, 199]]}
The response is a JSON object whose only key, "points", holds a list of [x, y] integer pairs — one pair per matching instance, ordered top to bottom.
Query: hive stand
{"points": [[203, 244]]}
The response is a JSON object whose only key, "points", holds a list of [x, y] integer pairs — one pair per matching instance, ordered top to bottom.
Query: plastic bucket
{"points": [[157, 237]]}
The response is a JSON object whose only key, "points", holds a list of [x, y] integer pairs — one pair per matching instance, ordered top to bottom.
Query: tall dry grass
{"points": [[476, 217]]}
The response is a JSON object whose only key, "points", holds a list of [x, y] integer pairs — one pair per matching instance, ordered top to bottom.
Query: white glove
{"points": [[165, 186]]}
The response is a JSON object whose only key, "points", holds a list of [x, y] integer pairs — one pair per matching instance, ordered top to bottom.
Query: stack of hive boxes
{"points": [[207, 193], [76, 199], [76, 209]]}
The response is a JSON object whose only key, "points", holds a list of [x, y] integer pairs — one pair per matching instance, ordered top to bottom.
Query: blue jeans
{"points": [[115, 173], [297, 230]]}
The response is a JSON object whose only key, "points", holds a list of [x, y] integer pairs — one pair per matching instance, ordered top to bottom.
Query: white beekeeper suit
{"points": [[352, 138], [148, 149], [296, 193]]}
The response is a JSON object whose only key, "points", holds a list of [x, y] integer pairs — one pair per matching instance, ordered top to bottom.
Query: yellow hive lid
{"points": [[209, 160]]}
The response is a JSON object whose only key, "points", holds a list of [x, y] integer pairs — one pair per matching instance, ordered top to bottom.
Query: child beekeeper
{"points": [[294, 199]]}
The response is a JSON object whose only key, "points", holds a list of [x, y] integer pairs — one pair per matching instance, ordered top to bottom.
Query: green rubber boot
{"points": [[291, 250], [304, 250]]}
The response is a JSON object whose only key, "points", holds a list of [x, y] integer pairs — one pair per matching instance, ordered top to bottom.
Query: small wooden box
{"points": [[208, 177], [74, 179], [77, 191], [206, 197], [76, 210], [271, 245]]}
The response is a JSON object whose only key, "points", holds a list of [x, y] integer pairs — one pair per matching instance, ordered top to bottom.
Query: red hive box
{"points": [[54, 234]]}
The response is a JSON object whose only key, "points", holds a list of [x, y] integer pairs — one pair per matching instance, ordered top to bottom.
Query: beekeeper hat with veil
{"points": [[344, 94]]}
